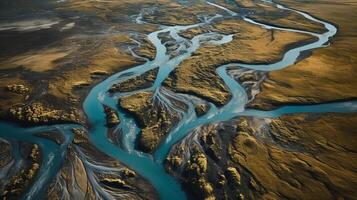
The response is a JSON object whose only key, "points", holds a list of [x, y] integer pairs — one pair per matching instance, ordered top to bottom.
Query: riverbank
{"points": [[250, 44], [64, 56], [325, 76], [295, 156]]}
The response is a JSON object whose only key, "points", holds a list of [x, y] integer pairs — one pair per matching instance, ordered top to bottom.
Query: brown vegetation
{"points": [[251, 44], [328, 74], [139, 82], [154, 119], [298, 156], [19, 183]]}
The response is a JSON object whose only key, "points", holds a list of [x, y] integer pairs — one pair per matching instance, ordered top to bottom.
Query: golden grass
{"points": [[270, 14], [251, 44], [38, 61], [329, 74], [8, 98], [323, 169]]}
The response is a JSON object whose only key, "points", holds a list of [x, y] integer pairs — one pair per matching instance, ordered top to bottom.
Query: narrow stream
{"points": [[151, 166]]}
